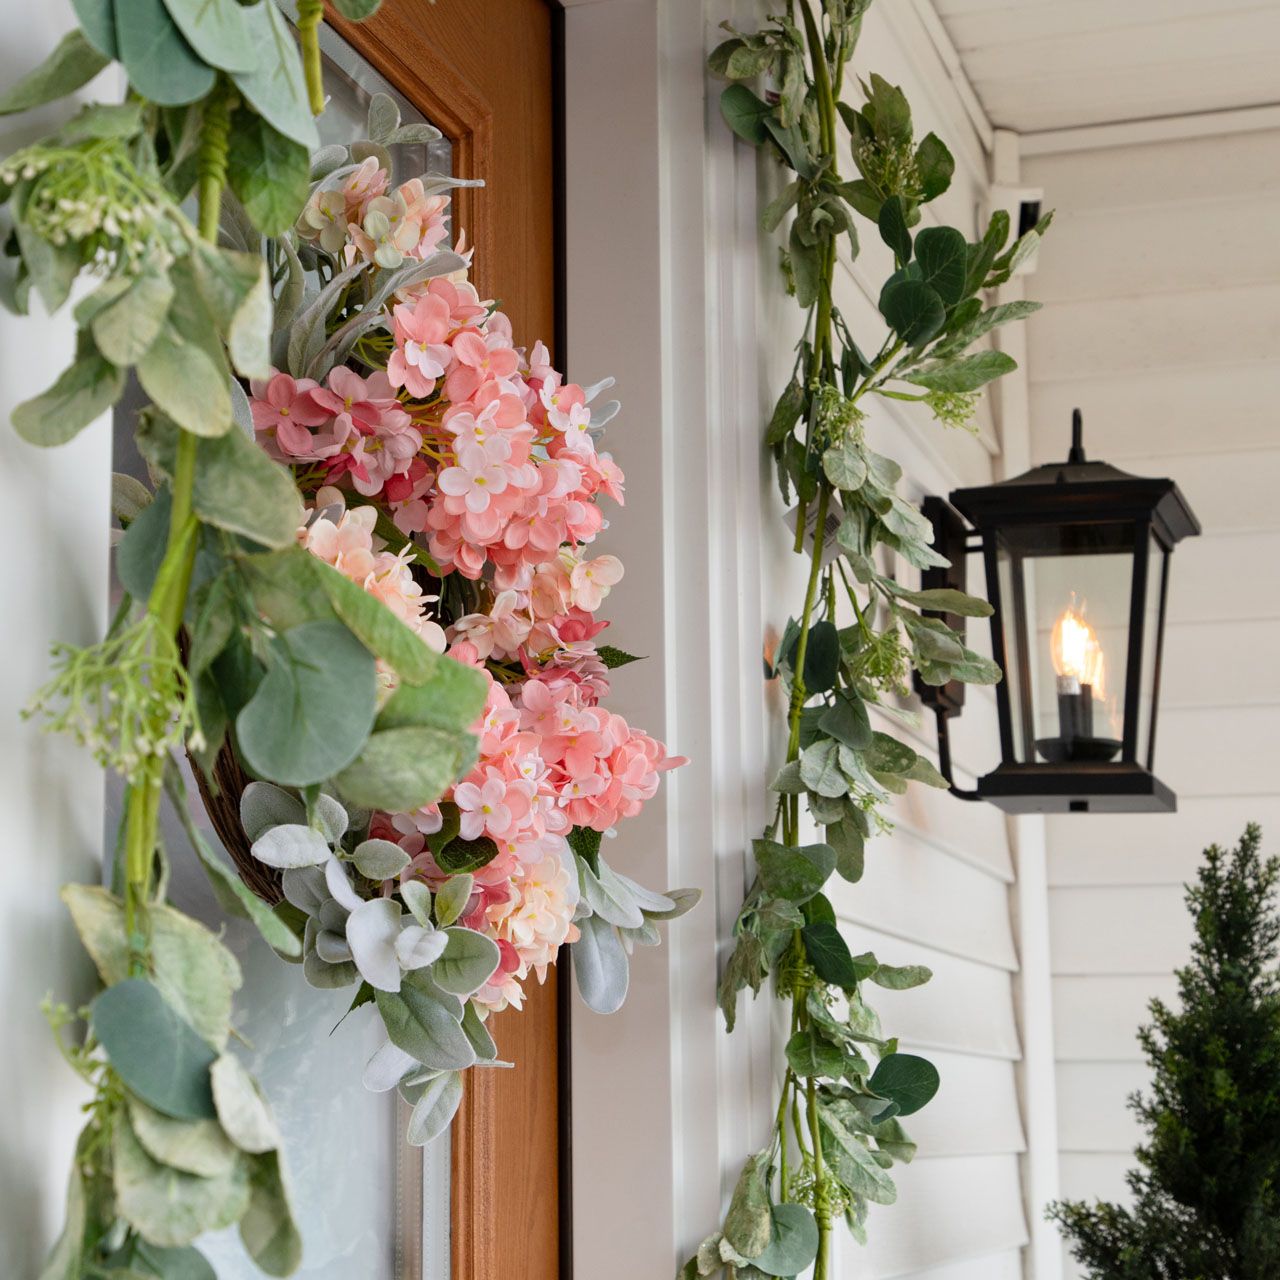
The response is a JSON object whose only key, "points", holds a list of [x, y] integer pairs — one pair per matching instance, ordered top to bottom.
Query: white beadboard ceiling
{"points": [[1058, 64]]}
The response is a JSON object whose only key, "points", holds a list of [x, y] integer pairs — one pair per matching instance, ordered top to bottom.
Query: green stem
{"points": [[309, 14], [168, 598]]}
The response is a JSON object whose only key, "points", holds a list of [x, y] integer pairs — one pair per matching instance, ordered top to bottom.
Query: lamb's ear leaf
{"points": [[74, 62], [84, 391], [600, 965]]}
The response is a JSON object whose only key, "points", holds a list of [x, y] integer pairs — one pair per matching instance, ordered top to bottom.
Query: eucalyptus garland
{"points": [[846, 1086]]}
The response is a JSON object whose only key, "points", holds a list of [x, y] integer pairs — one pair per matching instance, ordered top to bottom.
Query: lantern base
{"points": [[1078, 750], [1076, 787]]}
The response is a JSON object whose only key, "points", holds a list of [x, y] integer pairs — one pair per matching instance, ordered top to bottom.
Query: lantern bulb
{"points": [[1077, 655]]}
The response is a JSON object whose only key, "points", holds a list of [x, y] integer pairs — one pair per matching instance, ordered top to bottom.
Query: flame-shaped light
{"points": [[1077, 655]]}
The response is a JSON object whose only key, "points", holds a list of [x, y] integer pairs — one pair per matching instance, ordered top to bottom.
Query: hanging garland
{"points": [[360, 600], [845, 1084]]}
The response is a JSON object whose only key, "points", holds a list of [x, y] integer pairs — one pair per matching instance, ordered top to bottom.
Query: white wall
{"points": [[1162, 280], [53, 523]]}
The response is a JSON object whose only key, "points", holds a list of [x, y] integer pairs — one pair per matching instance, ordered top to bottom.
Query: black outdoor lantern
{"points": [[1077, 571]]}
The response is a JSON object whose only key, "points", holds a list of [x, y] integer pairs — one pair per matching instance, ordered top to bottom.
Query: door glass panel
{"points": [[367, 1205]]}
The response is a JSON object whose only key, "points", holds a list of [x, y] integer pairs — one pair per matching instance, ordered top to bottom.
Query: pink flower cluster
{"points": [[362, 218], [487, 455], [550, 760]]}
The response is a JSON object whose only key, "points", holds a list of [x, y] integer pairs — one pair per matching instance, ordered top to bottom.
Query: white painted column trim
{"points": [[1029, 895]]}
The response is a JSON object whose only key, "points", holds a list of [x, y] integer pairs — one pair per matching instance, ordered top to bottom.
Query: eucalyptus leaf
{"points": [[98, 21], [218, 30], [73, 62], [161, 65], [276, 88], [745, 113], [269, 172], [942, 255], [236, 292], [914, 309], [125, 328], [184, 370], [83, 392], [311, 714], [399, 770], [795, 873], [829, 954], [192, 969], [157, 1054], [907, 1080], [242, 1110], [194, 1146], [852, 1161], [169, 1207], [267, 1228], [793, 1241], [63, 1262]]}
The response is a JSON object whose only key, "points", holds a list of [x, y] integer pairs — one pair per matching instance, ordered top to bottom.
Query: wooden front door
{"points": [[482, 72]]}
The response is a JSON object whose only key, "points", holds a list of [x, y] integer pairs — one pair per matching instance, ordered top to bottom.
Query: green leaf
{"points": [[357, 10], [98, 19], [218, 30], [74, 62], [160, 64], [277, 89], [745, 113], [935, 166], [269, 173], [776, 209], [892, 221], [983, 254], [943, 255], [806, 266], [52, 268], [236, 292], [915, 311], [131, 316], [982, 322], [184, 370], [967, 373], [83, 392], [786, 413], [845, 465], [237, 487], [942, 600], [387, 636], [821, 657], [613, 658], [311, 715], [847, 721], [887, 755], [820, 769], [399, 770], [923, 771], [848, 841], [585, 843], [460, 856], [379, 859], [793, 872], [452, 898], [829, 954], [468, 962], [600, 965], [194, 972], [901, 977], [424, 1022], [478, 1034], [153, 1050], [810, 1055], [907, 1080], [242, 1110], [433, 1112], [194, 1146], [852, 1162], [169, 1207], [748, 1226], [267, 1229], [793, 1242], [64, 1259], [182, 1262]]}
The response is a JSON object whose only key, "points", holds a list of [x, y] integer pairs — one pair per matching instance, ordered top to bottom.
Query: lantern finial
{"points": [[1077, 438]]}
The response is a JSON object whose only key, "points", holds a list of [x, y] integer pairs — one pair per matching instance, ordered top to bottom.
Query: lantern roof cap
{"points": [[1079, 490]]}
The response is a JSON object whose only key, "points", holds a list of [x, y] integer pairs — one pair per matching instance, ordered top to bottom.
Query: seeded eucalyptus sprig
{"points": [[845, 1084]]}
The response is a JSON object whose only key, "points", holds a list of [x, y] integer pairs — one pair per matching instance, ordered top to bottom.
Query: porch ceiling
{"points": [[1058, 64]]}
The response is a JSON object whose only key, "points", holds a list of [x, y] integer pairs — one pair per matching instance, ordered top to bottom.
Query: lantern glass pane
{"points": [[1065, 596], [1152, 630]]}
